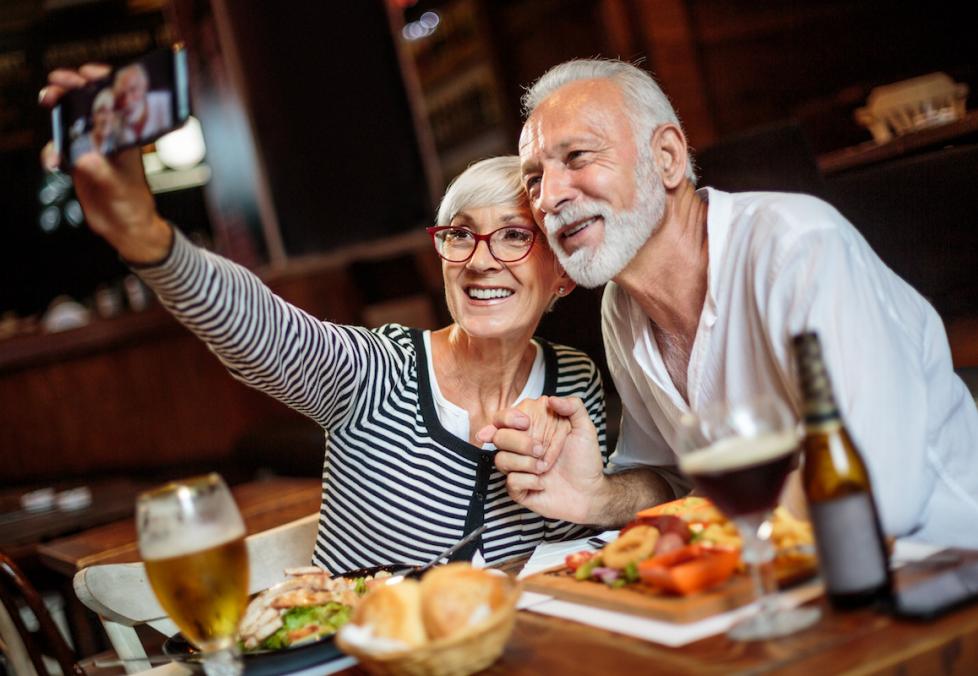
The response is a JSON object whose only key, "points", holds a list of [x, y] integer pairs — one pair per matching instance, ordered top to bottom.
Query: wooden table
{"points": [[263, 504], [21, 531], [860, 642]]}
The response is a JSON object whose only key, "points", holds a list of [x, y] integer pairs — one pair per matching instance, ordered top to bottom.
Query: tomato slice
{"points": [[577, 559], [689, 570]]}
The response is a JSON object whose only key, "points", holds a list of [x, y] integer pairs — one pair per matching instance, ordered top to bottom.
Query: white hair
{"points": [[137, 68], [104, 99], [647, 106], [486, 183]]}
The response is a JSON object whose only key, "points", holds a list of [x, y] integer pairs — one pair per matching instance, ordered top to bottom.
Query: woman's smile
{"points": [[488, 295]]}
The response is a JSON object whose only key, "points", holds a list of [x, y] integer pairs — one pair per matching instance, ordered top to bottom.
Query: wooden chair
{"points": [[121, 596], [26, 650]]}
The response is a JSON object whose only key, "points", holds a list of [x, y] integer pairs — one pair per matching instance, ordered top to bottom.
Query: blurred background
{"points": [[329, 131]]}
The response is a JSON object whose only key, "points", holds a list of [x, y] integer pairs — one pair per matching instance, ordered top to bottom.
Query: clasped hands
{"points": [[549, 452]]}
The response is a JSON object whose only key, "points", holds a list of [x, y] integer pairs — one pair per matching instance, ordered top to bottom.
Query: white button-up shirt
{"points": [[781, 264]]}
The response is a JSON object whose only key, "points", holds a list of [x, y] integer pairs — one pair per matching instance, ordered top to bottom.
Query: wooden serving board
{"points": [[642, 600]]}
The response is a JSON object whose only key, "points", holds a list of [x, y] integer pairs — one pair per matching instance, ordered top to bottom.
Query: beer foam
{"points": [[738, 452], [188, 539]]}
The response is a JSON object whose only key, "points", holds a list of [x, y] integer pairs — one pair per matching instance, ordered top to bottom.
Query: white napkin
{"points": [[552, 554], [659, 631]]}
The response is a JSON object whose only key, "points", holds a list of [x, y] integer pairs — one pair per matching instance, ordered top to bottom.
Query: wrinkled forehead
{"points": [[578, 110]]}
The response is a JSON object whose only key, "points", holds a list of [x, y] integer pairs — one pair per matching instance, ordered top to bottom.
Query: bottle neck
{"points": [[820, 408], [828, 425]]}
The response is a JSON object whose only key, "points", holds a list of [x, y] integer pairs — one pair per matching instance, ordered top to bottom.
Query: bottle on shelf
{"points": [[852, 552]]}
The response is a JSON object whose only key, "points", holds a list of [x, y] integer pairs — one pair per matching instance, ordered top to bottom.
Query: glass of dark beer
{"points": [[739, 456], [191, 539]]}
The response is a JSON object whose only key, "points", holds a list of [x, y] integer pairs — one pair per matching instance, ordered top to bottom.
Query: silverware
{"points": [[416, 572], [152, 659]]}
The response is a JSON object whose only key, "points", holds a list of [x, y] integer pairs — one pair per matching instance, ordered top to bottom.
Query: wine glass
{"points": [[739, 456], [191, 539]]}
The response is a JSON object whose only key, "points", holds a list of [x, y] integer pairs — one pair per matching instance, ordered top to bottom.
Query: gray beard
{"points": [[135, 113], [625, 232]]}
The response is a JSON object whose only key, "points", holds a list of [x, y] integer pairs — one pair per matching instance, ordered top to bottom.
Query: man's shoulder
{"points": [[158, 97], [785, 209], [774, 222]]}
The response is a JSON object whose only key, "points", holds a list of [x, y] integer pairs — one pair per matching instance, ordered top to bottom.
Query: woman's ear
{"points": [[564, 283], [564, 286]]}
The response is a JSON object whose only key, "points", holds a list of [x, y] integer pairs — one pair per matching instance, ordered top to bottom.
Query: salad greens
{"points": [[327, 617], [330, 617]]}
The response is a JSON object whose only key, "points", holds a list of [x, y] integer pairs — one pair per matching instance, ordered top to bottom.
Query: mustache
{"points": [[576, 211]]}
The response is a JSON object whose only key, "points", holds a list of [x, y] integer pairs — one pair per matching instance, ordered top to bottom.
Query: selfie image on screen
{"points": [[144, 104], [131, 107]]}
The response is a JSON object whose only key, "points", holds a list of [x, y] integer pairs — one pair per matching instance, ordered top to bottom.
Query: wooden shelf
{"points": [[871, 152]]}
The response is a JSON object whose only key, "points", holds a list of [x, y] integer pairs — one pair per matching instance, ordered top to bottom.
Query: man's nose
{"points": [[556, 189]]}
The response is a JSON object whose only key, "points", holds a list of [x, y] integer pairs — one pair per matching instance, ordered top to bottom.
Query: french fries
{"points": [[791, 537]]}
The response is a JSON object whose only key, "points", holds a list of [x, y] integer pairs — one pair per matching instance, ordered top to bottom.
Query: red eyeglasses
{"points": [[507, 245]]}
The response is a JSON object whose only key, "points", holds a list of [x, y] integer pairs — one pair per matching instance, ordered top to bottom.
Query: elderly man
{"points": [[144, 113], [705, 289]]}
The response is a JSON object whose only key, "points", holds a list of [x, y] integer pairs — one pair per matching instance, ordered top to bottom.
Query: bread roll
{"points": [[456, 596], [393, 611]]}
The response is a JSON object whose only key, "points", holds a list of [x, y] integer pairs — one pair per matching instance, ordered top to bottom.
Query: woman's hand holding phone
{"points": [[112, 189]]}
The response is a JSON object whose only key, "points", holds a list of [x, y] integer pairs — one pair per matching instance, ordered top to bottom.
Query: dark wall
{"points": [[817, 61], [332, 120], [919, 214], [36, 266]]}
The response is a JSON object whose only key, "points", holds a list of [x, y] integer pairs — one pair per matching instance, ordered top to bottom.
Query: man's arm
{"points": [[871, 326], [625, 493]]}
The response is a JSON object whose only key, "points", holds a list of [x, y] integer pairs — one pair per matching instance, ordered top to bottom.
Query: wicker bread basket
{"points": [[467, 652]]}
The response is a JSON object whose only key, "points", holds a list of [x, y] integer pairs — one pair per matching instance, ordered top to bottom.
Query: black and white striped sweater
{"points": [[397, 487]]}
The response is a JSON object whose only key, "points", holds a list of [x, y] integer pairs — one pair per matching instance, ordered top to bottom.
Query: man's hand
{"points": [[113, 193], [544, 429], [562, 478]]}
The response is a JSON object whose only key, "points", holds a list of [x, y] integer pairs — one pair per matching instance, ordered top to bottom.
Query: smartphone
{"points": [[133, 106], [935, 586]]}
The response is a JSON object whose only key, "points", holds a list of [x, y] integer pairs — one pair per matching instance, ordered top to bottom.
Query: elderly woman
{"points": [[102, 137], [404, 476]]}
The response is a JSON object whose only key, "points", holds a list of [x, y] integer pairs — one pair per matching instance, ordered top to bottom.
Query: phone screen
{"points": [[135, 105]]}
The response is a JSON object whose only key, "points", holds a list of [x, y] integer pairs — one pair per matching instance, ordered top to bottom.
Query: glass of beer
{"points": [[739, 456], [191, 539]]}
